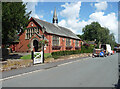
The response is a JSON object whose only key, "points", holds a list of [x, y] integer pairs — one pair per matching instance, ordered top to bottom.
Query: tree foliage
{"points": [[14, 20], [101, 34]]}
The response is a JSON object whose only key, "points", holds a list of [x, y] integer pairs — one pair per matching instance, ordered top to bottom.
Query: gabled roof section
{"points": [[55, 29], [40, 36]]}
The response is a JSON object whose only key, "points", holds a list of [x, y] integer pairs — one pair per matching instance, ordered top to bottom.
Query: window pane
{"points": [[55, 41], [68, 42]]}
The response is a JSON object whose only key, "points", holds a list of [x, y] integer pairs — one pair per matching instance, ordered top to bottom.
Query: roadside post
{"points": [[43, 30], [32, 56]]}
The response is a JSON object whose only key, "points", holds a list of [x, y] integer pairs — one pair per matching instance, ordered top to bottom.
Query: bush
{"points": [[70, 52]]}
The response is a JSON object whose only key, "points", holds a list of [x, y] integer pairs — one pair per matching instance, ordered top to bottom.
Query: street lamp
{"points": [[43, 30]]}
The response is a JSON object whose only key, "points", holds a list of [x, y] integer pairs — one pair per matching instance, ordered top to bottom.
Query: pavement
{"points": [[89, 72]]}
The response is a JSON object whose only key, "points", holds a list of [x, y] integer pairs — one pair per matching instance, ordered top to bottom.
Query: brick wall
{"points": [[22, 46]]}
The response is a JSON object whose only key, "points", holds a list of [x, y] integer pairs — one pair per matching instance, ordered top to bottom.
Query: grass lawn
{"points": [[46, 55]]}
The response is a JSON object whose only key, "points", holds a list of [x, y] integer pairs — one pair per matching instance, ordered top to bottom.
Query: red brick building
{"points": [[59, 38]]}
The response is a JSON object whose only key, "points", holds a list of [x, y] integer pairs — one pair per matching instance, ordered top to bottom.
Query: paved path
{"points": [[93, 72]]}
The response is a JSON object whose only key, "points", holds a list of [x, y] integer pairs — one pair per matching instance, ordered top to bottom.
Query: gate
{"points": [[37, 57]]}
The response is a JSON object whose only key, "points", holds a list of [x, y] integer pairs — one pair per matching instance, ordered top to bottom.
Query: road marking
{"points": [[72, 62], [65, 63], [38, 70], [20, 75]]}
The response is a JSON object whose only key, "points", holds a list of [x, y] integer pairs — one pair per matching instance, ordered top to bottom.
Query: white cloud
{"points": [[31, 4], [91, 4], [101, 6], [71, 10], [52, 12], [71, 13], [35, 15], [41, 16], [72, 20], [109, 21], [62, 23]]}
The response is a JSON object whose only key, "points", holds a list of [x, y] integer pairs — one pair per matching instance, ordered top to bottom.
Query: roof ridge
{"points": [[42, 20], [49, 22], [57, 26], [65, 28], [56, 29]]}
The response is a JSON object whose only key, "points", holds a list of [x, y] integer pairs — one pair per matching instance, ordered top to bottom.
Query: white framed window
{"points": [[30, 32], [55, 40], [68, 42], [76, 43]]}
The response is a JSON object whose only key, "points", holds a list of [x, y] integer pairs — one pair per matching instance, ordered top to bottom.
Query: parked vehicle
{"points": [[107, 48], [117, 49], [98, 53]]}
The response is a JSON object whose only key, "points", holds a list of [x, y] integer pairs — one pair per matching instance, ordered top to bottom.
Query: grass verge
{"points": [[26, 57]]}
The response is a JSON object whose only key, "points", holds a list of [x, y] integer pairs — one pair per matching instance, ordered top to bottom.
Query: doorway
{"points": [[35, 44]]}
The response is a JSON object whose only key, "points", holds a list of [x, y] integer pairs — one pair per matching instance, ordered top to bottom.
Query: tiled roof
{"points": [[55, 29]]}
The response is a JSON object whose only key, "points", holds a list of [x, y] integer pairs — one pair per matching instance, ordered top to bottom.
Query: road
{"points": [[91, 72]]}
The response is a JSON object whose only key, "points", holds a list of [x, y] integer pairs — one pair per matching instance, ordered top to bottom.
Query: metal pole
{"points": [[43, 49], [32, 53], [32, 56]]}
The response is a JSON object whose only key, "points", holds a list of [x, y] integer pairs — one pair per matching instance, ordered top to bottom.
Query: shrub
{"points": [[69, 52]]}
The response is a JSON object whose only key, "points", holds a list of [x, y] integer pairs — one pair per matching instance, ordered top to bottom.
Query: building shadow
{"points": [[11, 57]]}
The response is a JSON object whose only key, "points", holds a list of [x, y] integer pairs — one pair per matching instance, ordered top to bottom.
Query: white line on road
{"points": [[72, 62], [37, 70], [20, 75]]}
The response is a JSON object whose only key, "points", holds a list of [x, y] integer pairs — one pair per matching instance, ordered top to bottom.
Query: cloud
{"points": [[31, 4], [91, 4], [101, 6], [71, 10], [52, 12], [71, 13], [72, 18], [110, 21]]}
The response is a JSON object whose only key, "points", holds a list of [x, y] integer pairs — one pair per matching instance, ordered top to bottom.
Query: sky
{"points": [[76, 15]]}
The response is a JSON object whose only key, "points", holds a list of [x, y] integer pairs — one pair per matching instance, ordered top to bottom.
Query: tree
{"points": [[14, 20], [91, 32], [101, 34], [80, 36]]}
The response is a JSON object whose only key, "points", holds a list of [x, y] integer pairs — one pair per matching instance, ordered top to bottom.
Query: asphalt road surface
{"points": [[91, 72]]}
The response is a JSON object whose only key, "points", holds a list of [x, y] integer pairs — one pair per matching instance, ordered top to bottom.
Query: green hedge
{"points": [[70, 52]]}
